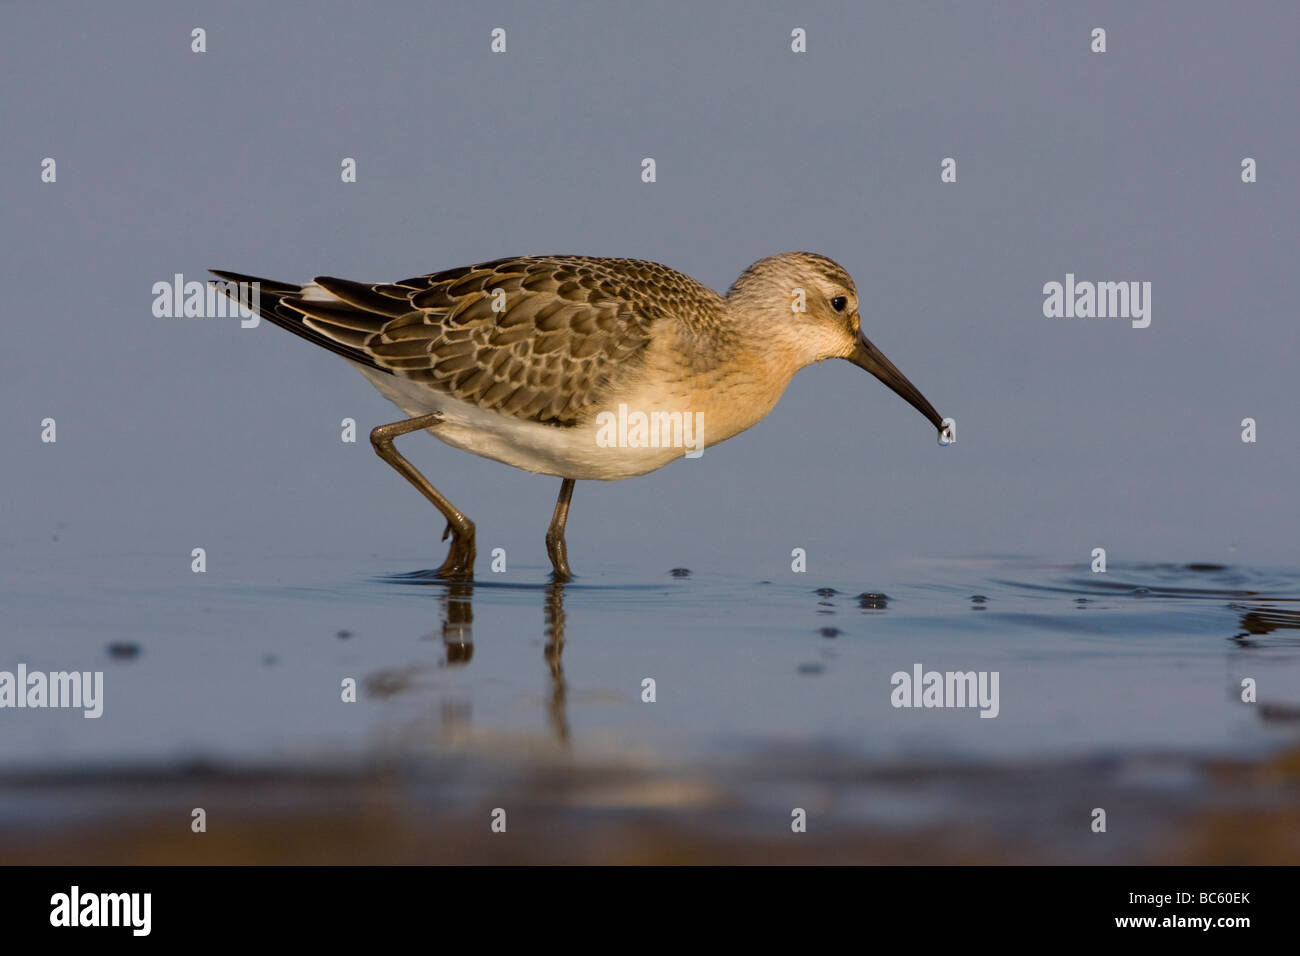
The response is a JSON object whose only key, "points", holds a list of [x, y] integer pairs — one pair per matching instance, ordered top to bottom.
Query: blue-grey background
{"points": [[1073, 434]]}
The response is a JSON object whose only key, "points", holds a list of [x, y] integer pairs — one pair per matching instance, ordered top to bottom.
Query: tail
{"points": [[273, 304]]}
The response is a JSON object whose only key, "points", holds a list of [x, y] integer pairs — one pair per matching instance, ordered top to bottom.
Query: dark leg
{"points": [[555, 533], [460, 557]]}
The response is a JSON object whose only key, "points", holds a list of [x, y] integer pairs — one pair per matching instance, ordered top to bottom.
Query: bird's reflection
{"points": [[456, 600], [458, 622], [552, 652]]}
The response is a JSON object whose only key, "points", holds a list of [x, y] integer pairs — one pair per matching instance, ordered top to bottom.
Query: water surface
{"points": [[770, 694]]}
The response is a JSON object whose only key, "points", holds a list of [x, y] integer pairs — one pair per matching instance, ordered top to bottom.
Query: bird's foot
{"points": [[558, 553], [459, 565]]}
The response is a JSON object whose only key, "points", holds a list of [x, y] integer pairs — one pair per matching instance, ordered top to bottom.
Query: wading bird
{"points": [[525, 360]]}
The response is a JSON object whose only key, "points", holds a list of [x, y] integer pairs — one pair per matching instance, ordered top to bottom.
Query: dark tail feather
{"points": [[270, 306]]}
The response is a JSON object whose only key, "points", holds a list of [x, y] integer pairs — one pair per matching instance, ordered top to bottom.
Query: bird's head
{"points": [[810, 304]]}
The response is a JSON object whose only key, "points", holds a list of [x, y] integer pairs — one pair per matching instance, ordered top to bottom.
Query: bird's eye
{"points": [[839, 302]]}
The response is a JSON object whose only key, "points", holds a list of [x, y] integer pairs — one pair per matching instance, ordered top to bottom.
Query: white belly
{"points": [[581, 452]]}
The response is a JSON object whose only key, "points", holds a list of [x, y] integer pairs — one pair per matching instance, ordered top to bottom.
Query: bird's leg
{"points": [[555, 547], [460, 557]]}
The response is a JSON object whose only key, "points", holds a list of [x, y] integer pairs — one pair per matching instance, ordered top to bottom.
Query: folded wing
{"points": [[538, 338]]}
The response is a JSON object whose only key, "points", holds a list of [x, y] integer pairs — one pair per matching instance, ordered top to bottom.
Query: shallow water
{"points": [[767, 692]]}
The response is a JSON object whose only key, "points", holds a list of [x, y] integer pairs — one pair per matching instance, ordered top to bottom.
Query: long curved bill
{"points": [[867, 356]]}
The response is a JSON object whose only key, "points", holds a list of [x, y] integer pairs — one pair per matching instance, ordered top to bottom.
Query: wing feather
{"points": [[545, 338]]}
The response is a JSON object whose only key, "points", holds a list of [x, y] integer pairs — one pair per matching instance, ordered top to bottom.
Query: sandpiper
{"points": [[530, 360]]}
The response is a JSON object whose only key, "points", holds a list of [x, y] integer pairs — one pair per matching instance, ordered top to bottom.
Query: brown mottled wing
{"points": [[538, 338]]}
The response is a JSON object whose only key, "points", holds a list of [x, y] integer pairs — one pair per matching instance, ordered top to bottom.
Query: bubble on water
{"points": [[680, 572], [826, 592], [1140, 592], [978, 598], [873, 600], [830, 632], [343, 635], [123, 650], [812, 669]]}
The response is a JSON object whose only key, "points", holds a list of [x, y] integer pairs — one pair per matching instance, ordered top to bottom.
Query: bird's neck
{"points": [[729, 373]]}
